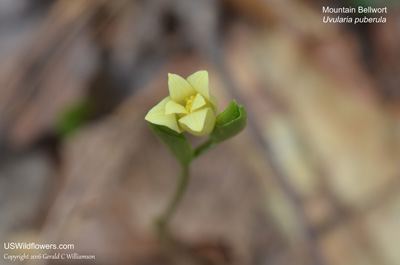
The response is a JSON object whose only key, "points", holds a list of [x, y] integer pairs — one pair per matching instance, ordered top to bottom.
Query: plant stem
{"points": [[204, 147], [164, 219]]}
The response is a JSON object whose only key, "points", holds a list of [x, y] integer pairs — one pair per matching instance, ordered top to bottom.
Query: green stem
{"points": [[204, 147], [164, 219]]}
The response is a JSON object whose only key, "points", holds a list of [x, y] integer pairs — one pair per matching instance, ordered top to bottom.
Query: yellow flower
{"points": [[189, 107]]}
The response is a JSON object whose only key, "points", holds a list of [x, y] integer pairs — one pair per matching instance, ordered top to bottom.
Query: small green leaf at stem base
{"points": [[177, 143]]}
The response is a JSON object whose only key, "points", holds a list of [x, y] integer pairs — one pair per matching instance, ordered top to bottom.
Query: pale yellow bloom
{"points": [[189, 107]]}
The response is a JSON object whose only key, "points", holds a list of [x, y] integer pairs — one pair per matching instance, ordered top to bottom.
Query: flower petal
{"points": [[199, 81], [179, 89], [198, 102], [214, 103], [173, 107], [158, 116], [199, 123]]}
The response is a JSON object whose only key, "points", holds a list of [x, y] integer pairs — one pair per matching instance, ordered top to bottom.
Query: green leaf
{"points": [[73, 117], [229, 123], [176, 143]]}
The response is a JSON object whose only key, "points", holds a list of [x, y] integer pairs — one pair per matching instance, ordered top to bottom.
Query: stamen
{"points": [[189, 103]]}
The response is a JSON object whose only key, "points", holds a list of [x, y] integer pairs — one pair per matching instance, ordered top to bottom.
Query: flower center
{"points": [[189, 103]]}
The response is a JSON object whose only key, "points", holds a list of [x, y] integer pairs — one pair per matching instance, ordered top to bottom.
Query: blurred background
{"points": [[314, 178]]}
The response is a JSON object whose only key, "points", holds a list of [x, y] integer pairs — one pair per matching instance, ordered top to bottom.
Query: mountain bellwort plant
{"points": [[190, 108]]}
